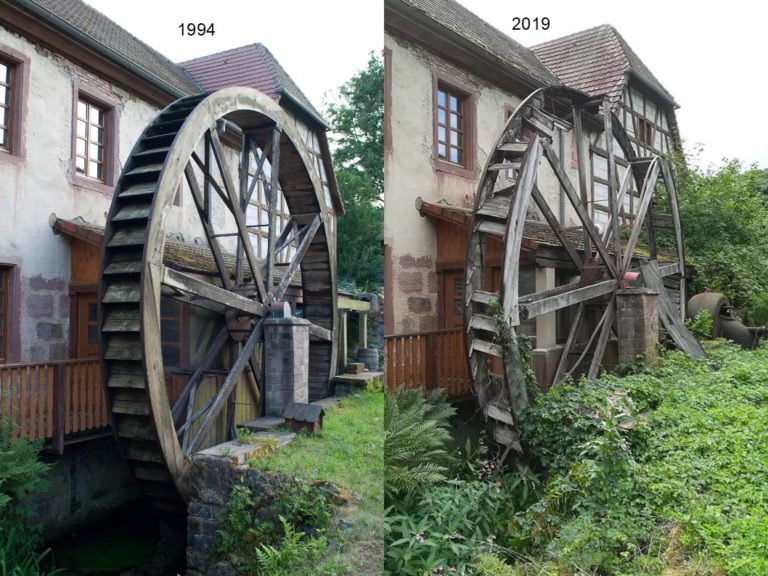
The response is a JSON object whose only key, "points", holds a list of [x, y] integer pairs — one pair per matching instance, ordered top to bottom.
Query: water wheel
{"points": [[193, 172], [509, 201]]}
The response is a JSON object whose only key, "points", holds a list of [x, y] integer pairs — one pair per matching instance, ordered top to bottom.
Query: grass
{"points": [[348, 451]]}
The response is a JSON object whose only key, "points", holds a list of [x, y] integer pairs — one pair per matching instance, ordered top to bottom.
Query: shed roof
{"points": [[78, 18], [598, 61], [253, 66]]}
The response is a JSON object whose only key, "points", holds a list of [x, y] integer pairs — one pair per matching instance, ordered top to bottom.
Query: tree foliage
{"points": [[358, 124], [725, 226]]}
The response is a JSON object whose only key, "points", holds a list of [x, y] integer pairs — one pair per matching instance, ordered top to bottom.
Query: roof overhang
{"points": [[42, 27]]}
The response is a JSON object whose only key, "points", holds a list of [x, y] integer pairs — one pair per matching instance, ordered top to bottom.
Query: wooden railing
{"points": [[428, 360], [53, 400]]}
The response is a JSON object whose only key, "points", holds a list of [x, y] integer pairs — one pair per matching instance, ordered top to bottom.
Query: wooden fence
{"points": [[428, 360], [54, 399]]}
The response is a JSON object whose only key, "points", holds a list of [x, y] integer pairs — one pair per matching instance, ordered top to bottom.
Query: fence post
{"points": [[430, 380], [59, 414]]}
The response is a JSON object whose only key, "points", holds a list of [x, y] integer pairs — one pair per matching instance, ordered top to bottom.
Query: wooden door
{"points": [[453, 299], [87, 326]]}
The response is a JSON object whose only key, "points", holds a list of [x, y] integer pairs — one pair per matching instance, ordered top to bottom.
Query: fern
{"points": [[415, 436], [490, 565]]}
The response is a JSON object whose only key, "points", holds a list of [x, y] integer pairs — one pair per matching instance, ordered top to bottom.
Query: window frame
{"points": [[19, 63], [468, 98], [108, 104], [11, 279]]}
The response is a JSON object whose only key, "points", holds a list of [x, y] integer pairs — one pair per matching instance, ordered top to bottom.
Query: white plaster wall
{"points": [[42, 185]]}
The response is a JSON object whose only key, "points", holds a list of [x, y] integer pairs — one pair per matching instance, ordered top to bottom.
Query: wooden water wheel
{"points": [[193, 172], [509, 201]]}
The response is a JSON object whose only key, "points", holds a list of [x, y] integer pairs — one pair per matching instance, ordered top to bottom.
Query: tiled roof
{"points": [[461, 21], [108, 35], [597, 61], [253, 66], [179, 255]]}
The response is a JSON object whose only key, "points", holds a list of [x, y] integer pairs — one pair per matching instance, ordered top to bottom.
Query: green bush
{"points": [[700, 325], [415, 438], [255, 546]]}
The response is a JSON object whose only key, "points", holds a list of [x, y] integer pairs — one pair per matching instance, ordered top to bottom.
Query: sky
{"points": [[320, 43], [709, 56]]}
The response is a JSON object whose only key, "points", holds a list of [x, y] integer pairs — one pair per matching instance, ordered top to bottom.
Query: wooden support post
{"points": [[362, 319], [545, 324], [344, 339], [59, 413]]}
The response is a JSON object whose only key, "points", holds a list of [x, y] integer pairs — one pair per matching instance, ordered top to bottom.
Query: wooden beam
{"points": [[582, 170], [672, 194], [273, 196], [612, 196], [646, 196], [586, 221], [554, 223], [515, 226], [309, 234], [186, 283], [552, 303], [320, 332], [572, 335], [602, 341], [219, 401]]}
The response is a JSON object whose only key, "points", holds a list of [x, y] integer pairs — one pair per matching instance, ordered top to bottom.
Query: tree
{"points": [[358, 135], [725, 226]]}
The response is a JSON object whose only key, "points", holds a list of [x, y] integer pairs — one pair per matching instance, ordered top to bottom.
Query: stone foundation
{"points": [[286, 363]]}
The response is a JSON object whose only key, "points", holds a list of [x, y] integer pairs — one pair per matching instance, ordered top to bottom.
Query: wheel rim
{"points": [[260, 147], [502, 210]]}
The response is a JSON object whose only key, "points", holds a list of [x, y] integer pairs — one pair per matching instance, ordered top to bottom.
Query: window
{"points": [[14, 85], [7, 104], [451, 126], [644, 132], [94, 139], [91, 140], [4, 282], [87, 328]]}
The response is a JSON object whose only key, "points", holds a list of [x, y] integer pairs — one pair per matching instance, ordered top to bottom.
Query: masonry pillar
{"points": [[637, 316], [286, 363]]}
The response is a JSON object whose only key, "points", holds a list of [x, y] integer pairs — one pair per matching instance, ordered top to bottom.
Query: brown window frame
{"points": [[18, 64], [108, 105], [466, 167], [5, 274]]}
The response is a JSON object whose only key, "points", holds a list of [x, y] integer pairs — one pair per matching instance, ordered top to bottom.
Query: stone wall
{"points": [[47, 308], [638, 324], [286, 363], [212, 478], [87, 483]]}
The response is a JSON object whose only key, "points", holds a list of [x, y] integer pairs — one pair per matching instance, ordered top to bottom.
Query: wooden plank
{"points": [[513, 148], [582, 172], [669, 183], [612, 196], [495, 207], [490, 227], [515, 227], [309, 234], [191, 285], [557, 290], [482, 297], [558, 301], [669, 317], [482, 322], [320, 332], [486, 347], [493, 411], [60, 414]]}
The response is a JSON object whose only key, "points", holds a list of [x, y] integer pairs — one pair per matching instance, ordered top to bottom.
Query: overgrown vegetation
{"points": [[358, 127], [725, 221], [700, 325], [656, 473], [21, 474], [290, 544]]}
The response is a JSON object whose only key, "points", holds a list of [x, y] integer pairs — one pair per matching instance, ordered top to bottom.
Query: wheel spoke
{"points": [[273, 196], [646, 196], [612, 199], [234, 206], [581, 212], [551, 219], [207, 228], [310, 231], [191, 285], [572, 335], [602, 341], [197, 375], [218, 401]]}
